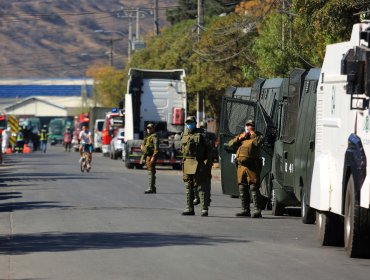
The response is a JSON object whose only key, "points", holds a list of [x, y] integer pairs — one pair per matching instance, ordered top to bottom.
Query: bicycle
{"points": [[85, 165]]}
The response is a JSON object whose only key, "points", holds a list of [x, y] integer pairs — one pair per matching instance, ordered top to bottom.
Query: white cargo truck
{"points": [[159, 97], [340, 189]]}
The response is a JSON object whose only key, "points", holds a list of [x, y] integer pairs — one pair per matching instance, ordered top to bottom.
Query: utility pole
{"points": [[156, 23], [137, 24], [283, 28], [129, 50], [111, 52], [200, 95]]}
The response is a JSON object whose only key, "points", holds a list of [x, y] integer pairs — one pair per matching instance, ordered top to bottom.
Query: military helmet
{"points": [[190, 119], [250, 122], [150, 125]]}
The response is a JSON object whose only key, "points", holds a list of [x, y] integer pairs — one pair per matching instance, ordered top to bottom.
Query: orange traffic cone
{"points": [[26, 149]]}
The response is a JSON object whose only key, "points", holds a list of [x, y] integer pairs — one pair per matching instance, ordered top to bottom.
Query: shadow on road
{"points": [[15, 206], [59, 242]]}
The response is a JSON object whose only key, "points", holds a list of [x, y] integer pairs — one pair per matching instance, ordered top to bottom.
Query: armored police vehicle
{"points": [[159, 97], [289, 104], [238, 107], [294, 146], [340, 188]]}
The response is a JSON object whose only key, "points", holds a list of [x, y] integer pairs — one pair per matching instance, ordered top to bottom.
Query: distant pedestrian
{"points": [[44, 138], [5, 139], [67, 139], [19, 141], [150, 151]]}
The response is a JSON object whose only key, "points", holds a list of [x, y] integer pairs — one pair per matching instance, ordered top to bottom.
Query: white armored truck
{"points": [[340, 188]]}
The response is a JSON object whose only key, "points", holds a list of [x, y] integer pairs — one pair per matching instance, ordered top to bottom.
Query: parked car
{"points": [[98, 127], [117, 144]]}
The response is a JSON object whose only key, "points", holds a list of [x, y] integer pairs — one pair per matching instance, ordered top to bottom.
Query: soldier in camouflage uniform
{"points": [[150, 151], [197, 157], [249, 166], [208, 177]]}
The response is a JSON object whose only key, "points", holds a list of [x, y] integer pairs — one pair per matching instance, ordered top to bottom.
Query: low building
{"points": [[45, 98]]}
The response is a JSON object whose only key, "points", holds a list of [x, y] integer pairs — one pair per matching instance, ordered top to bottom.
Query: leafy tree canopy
{"points": [[188, 9], [108, 84]]}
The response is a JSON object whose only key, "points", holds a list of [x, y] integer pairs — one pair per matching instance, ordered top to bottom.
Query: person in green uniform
{"points": [[150, 151], [197, 157], [248, 159], [208, 177]]}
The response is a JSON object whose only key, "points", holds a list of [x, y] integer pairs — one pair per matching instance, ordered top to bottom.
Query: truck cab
{"points": [[159, 97]]}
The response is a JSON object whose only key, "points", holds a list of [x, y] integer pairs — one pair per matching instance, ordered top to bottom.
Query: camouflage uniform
{"points": [[150, 150], [196, 159], [248, 171], [208, 177]]}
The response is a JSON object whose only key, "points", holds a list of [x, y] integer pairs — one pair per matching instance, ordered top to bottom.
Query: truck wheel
{"points": [[129, 165], [176, 167], [277, 207], [308, 214], [356, 224], [328, 229]]}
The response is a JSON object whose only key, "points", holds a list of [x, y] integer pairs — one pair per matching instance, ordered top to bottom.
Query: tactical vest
{"points": [[43, 135], [20, 136], [150, 145], [192, 145]]}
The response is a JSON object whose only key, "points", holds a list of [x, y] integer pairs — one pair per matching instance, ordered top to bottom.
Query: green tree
{"points": [[188, 9], [297, 37], [218, 58], [211, 65], [109, 84]]}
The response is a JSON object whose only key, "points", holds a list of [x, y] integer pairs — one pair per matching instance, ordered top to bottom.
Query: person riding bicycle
{"points": [[85, 142]]}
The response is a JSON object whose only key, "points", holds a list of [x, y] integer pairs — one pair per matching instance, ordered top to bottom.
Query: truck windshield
{"points": [[100, 126]]}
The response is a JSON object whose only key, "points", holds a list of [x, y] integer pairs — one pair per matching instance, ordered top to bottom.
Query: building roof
{"points": [[23, 88], [24, 91]]}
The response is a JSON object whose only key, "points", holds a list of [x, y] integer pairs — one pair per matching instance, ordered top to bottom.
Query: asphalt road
{"points": [[59, 223]]}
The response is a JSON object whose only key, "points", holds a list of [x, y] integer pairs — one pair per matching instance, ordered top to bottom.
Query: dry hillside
{"points": [[56, 38]]}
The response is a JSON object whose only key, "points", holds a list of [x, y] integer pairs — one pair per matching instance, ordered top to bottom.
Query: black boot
{"points": [[151, 180], [203, 201], [256, 201], [245, 202], [189, 211]]}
